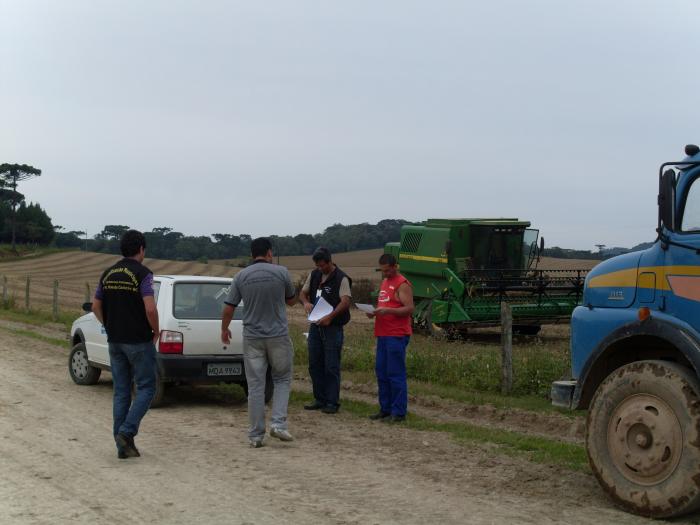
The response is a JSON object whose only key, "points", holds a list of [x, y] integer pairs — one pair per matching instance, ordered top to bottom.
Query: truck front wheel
{"points": [[643, 438]]}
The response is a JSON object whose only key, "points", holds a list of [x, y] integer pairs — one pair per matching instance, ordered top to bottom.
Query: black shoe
{"points": [[314, 406], [330, 409], [380, 416], [395, 419], [132, 445], [126, 446]]}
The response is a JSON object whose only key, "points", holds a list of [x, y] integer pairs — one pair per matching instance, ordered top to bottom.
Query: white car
{"points": [[190, 350]]}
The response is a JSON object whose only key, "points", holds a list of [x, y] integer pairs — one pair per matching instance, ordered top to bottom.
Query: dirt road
{"points": [[58, 464]]}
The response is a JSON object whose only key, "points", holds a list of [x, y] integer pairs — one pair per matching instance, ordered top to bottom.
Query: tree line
{"points": [[33, 225], [166, 243], [601, 254]]}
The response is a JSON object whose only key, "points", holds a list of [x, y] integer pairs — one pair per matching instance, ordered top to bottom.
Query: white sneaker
{"points": [[281, 434], [256, 443]]}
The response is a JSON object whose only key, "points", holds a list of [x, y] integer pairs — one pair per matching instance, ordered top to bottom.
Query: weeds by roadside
{"points": [[36, 317], [465, 365], [536, 449]]}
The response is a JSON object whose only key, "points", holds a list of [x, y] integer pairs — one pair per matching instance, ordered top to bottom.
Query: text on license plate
{"points": [[224, 369]]}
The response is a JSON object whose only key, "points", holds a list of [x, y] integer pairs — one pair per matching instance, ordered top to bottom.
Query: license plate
{"points": [[224, 369]]}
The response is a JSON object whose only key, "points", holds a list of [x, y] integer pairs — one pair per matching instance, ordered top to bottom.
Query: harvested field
{"points": [[550, 263], [75, 269]]}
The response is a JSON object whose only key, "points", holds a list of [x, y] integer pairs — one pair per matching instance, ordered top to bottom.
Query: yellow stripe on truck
{"points": [[628, 278], [618, 279]]}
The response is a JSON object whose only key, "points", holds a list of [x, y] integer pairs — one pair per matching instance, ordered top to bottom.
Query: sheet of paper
{"points": [[367, 308], [321, 310]]}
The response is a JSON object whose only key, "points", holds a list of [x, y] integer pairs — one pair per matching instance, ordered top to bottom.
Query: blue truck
{"points": [[635, 359]]}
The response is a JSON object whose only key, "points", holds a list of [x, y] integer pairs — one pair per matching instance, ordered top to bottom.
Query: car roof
{"points": [[193, 278]]}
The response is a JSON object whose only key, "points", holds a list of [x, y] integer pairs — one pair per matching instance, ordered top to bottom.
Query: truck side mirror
{"points": [[667, 198], [541, 245], [87, 307]]}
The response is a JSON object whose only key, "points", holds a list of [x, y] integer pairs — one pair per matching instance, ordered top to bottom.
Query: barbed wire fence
{"points": [[51, 296]]}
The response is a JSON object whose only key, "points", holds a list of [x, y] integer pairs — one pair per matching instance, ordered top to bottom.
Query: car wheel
{"points": [[526, 329], [80, 369], [269, 386], [159, 395], [643, 438]]}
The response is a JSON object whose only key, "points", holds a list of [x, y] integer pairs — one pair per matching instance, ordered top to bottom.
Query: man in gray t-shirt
{"points": [[264, 289]]}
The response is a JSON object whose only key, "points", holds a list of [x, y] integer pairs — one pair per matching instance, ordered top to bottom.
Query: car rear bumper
{"points": [[193, 369]]}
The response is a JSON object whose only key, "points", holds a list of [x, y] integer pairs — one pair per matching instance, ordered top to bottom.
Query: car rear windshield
{"points": [[201, 301]]}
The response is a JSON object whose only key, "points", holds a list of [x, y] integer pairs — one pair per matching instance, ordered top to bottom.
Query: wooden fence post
{"points": [[26, 294], [88, 297], [55, 300], [506, 349]]}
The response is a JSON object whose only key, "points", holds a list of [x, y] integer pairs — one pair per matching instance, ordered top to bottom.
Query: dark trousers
{"points": [[325, 345], [391, 375]]}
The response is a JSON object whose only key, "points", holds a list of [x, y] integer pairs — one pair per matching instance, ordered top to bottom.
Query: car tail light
{"points": [[170, 342]]}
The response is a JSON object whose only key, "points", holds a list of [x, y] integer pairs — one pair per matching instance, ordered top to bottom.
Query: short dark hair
{"points": [[131, 243], [260, 246], [321, 254], [387, 258]]}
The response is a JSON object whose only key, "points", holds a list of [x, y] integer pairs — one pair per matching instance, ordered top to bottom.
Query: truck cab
{"points": [[635, 358]]}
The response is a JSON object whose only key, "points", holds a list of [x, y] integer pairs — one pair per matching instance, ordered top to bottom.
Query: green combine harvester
{"points": [[463, 269]]}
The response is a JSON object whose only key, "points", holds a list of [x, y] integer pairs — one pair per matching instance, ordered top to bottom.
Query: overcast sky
{"points": [[286, 117]]}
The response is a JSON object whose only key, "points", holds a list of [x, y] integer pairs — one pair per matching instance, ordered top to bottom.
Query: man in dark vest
{"points": [[124, 303], [326, 335]]}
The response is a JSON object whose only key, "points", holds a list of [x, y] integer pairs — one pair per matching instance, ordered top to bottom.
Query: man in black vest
{"points": [[124, 303], [326, 335]]}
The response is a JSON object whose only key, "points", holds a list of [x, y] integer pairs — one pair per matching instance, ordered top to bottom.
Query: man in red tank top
{"points": [[392, 327]]}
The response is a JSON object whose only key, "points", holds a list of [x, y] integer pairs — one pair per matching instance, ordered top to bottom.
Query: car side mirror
{"points": [[667, 194], [87, 307]]}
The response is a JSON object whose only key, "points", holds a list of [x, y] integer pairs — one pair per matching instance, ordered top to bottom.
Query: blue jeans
{"points": [[325, 345], [132, 362], [391, 374]]}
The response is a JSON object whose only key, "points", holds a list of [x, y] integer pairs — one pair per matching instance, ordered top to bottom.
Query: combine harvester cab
{"points": [[463, 269], [635, 355]]}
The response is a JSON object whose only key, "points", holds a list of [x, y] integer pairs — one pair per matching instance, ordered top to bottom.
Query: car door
{"points": [[682, 262], [197, 307], [95, 340]]}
